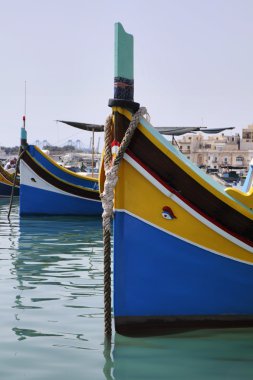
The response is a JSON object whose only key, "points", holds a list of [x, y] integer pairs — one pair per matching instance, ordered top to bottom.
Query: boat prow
{"points": [[6, 183], [50, 189], [183, 246]]}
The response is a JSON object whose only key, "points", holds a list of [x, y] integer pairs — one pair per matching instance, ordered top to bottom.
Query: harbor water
{"points": [[51, 313]]}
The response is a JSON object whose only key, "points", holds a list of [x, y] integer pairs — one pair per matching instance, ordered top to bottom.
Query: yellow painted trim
{"points": [[62, 167], [60, 179], [4, 180], [136, 194], [240, 196], [229, 201]]}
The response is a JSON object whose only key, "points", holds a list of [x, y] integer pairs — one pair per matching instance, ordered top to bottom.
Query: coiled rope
{"points": [[111, 168]]}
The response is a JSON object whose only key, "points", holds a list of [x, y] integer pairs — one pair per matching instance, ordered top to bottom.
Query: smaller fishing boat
{"points": [[6, 183], [47, 188]]}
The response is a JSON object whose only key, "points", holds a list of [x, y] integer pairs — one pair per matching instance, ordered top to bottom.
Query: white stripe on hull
{"points": [[27, 174], [182, 204], [181, 238]]}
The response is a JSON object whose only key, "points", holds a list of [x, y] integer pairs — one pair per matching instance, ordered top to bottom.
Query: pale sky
{"points": [[193, 63]]}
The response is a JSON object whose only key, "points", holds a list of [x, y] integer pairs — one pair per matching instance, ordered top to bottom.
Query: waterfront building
{"points": [[220, 151]]}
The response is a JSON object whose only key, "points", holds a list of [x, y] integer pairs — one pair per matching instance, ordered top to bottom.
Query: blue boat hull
{"points": [[49, 189], [5, 190], [50, 203], [170, 277]]}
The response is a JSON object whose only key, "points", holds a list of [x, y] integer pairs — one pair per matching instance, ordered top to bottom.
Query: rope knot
{"points": [[111, 167]]}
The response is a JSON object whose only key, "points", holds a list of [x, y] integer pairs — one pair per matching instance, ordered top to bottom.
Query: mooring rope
{"points": [[111, 168]]}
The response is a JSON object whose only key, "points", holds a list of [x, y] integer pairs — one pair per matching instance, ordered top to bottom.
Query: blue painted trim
{"points": [[23, 134], [58, 172], [248, 181], [5, 190], [156, 274]]}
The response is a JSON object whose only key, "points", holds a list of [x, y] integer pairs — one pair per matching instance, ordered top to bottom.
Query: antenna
{"points": [[25, 99], [24, 117]]}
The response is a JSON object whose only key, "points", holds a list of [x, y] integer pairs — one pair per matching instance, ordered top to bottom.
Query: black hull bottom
{"points": [[153, 326]]}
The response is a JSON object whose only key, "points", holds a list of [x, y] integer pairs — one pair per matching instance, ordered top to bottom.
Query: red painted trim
{"points": [[211, 220]]}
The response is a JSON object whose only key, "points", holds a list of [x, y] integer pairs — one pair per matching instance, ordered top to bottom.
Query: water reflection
{"points": [[8, 227], [58, 267], [52, 312], [24, 333], [203, 354], [108, 365]]}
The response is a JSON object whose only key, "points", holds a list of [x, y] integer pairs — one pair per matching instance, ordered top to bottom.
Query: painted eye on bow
{"points": [[167, 213]]}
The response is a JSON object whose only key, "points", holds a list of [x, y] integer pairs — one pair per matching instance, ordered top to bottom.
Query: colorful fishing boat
{"points": [[6, 184], [46, 188], [183, 244]]}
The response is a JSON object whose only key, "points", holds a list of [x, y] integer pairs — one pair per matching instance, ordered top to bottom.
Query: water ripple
{"points": [[51, 314]]}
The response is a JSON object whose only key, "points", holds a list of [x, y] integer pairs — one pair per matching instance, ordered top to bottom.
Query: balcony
{"points": [[186, 151]]}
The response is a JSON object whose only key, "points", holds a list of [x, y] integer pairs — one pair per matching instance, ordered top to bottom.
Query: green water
{"points": [[51, 313]]}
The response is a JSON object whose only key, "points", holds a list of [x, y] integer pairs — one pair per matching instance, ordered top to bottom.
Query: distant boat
{"points": [[6, 183], [47, 188], [183, 244]]}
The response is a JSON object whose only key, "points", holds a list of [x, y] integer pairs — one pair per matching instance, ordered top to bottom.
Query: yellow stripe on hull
{"points": [[64, 170], [4, 180], [134, 188], [245, 198], [240, 207]]}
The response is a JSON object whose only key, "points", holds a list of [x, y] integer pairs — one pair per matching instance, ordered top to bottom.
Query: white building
{"points": [[219, 151]]}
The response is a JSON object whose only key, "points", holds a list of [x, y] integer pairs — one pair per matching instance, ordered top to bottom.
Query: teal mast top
{"points": [[124, 59], [123, 64], [123, 70]]}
